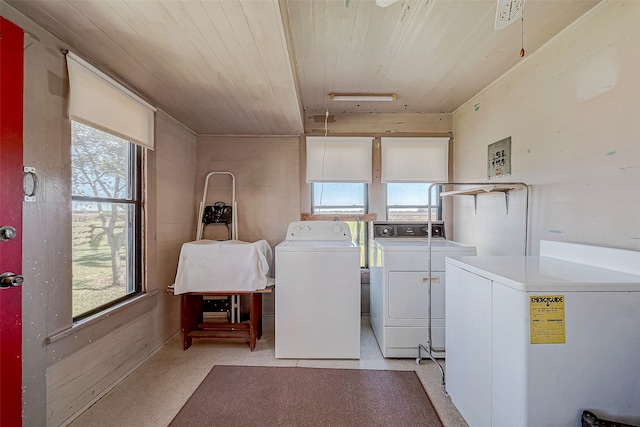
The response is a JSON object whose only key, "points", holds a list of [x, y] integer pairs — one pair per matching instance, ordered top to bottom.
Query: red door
{"points": [[11, 192]]}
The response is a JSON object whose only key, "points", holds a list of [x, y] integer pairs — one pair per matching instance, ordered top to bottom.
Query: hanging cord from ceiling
{"points": [[522, 34], [324, 152]]}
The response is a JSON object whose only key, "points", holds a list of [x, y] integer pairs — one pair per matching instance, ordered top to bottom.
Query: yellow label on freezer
{"points": [[547, 319]]}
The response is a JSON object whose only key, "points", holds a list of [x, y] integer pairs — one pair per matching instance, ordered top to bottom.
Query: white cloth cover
{"points": [[230, 265]]}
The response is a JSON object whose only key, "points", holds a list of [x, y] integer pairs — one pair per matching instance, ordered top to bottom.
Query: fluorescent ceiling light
{"points": [[385, 3], [363, 97]]}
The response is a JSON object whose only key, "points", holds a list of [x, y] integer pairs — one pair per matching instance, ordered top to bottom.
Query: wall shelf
{"points": [[474, 189], [486, 189]]}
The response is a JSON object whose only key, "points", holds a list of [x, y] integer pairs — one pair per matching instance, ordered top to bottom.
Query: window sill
{"points": [[86, 331]]}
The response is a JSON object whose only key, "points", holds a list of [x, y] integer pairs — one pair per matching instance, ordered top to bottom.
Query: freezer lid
{"points": [[535, 273]]}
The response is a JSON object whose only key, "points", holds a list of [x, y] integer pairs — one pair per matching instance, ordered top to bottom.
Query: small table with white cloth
{"points": [[229, 268]]}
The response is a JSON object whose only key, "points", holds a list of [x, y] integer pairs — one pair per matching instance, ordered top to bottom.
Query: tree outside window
{"points": [[105, 219]]}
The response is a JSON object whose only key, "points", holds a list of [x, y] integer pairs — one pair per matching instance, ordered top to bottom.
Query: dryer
{"points": [[408, 304], [317, 311]]}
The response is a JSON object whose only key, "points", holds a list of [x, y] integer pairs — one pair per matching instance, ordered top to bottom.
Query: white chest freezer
{"points": [[534, 341]]}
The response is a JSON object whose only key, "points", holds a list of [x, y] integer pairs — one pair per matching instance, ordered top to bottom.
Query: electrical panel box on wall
{"points": [[499, 158]]}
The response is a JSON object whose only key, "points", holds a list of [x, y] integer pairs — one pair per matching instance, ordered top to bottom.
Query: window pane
{"points": [[101, 164], [411, 194], [338, 197], [344, 198], [410, 202], [412, 214], [105, 218], [359, 235], [102, 254]]}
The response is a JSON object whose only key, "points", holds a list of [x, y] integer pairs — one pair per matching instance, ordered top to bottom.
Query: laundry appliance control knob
{"points": [[385, 232]]}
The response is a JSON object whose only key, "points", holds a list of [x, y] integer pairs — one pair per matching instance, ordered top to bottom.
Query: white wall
{"points": [[572, 110], [267, 188], [46, 240], [89, 361]]}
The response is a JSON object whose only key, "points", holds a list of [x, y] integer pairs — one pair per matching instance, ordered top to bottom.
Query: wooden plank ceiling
{"points": [[256, 67]]}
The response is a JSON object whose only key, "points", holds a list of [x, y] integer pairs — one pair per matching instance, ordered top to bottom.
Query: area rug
{"points": [[292, 396]]}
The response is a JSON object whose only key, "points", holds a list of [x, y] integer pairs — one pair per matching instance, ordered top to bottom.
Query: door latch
{"points": [[8, 280]]}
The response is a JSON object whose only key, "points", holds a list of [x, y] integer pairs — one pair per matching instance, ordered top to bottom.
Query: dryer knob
{"points": [[337, 228]]}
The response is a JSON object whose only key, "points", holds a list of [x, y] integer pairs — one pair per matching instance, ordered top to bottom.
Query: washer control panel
{"points": [[318, 230], [390, 230]]}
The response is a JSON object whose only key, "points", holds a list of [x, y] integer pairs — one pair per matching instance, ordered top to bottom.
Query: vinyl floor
{"points": [[154, 393]]}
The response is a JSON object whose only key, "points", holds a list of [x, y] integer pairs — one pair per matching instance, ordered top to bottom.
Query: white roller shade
{"points": [[97, 100], [338, 159], [415, 159]]}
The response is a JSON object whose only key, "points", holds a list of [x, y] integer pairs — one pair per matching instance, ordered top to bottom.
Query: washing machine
{"points": [[317, 296], [407, 297]]}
